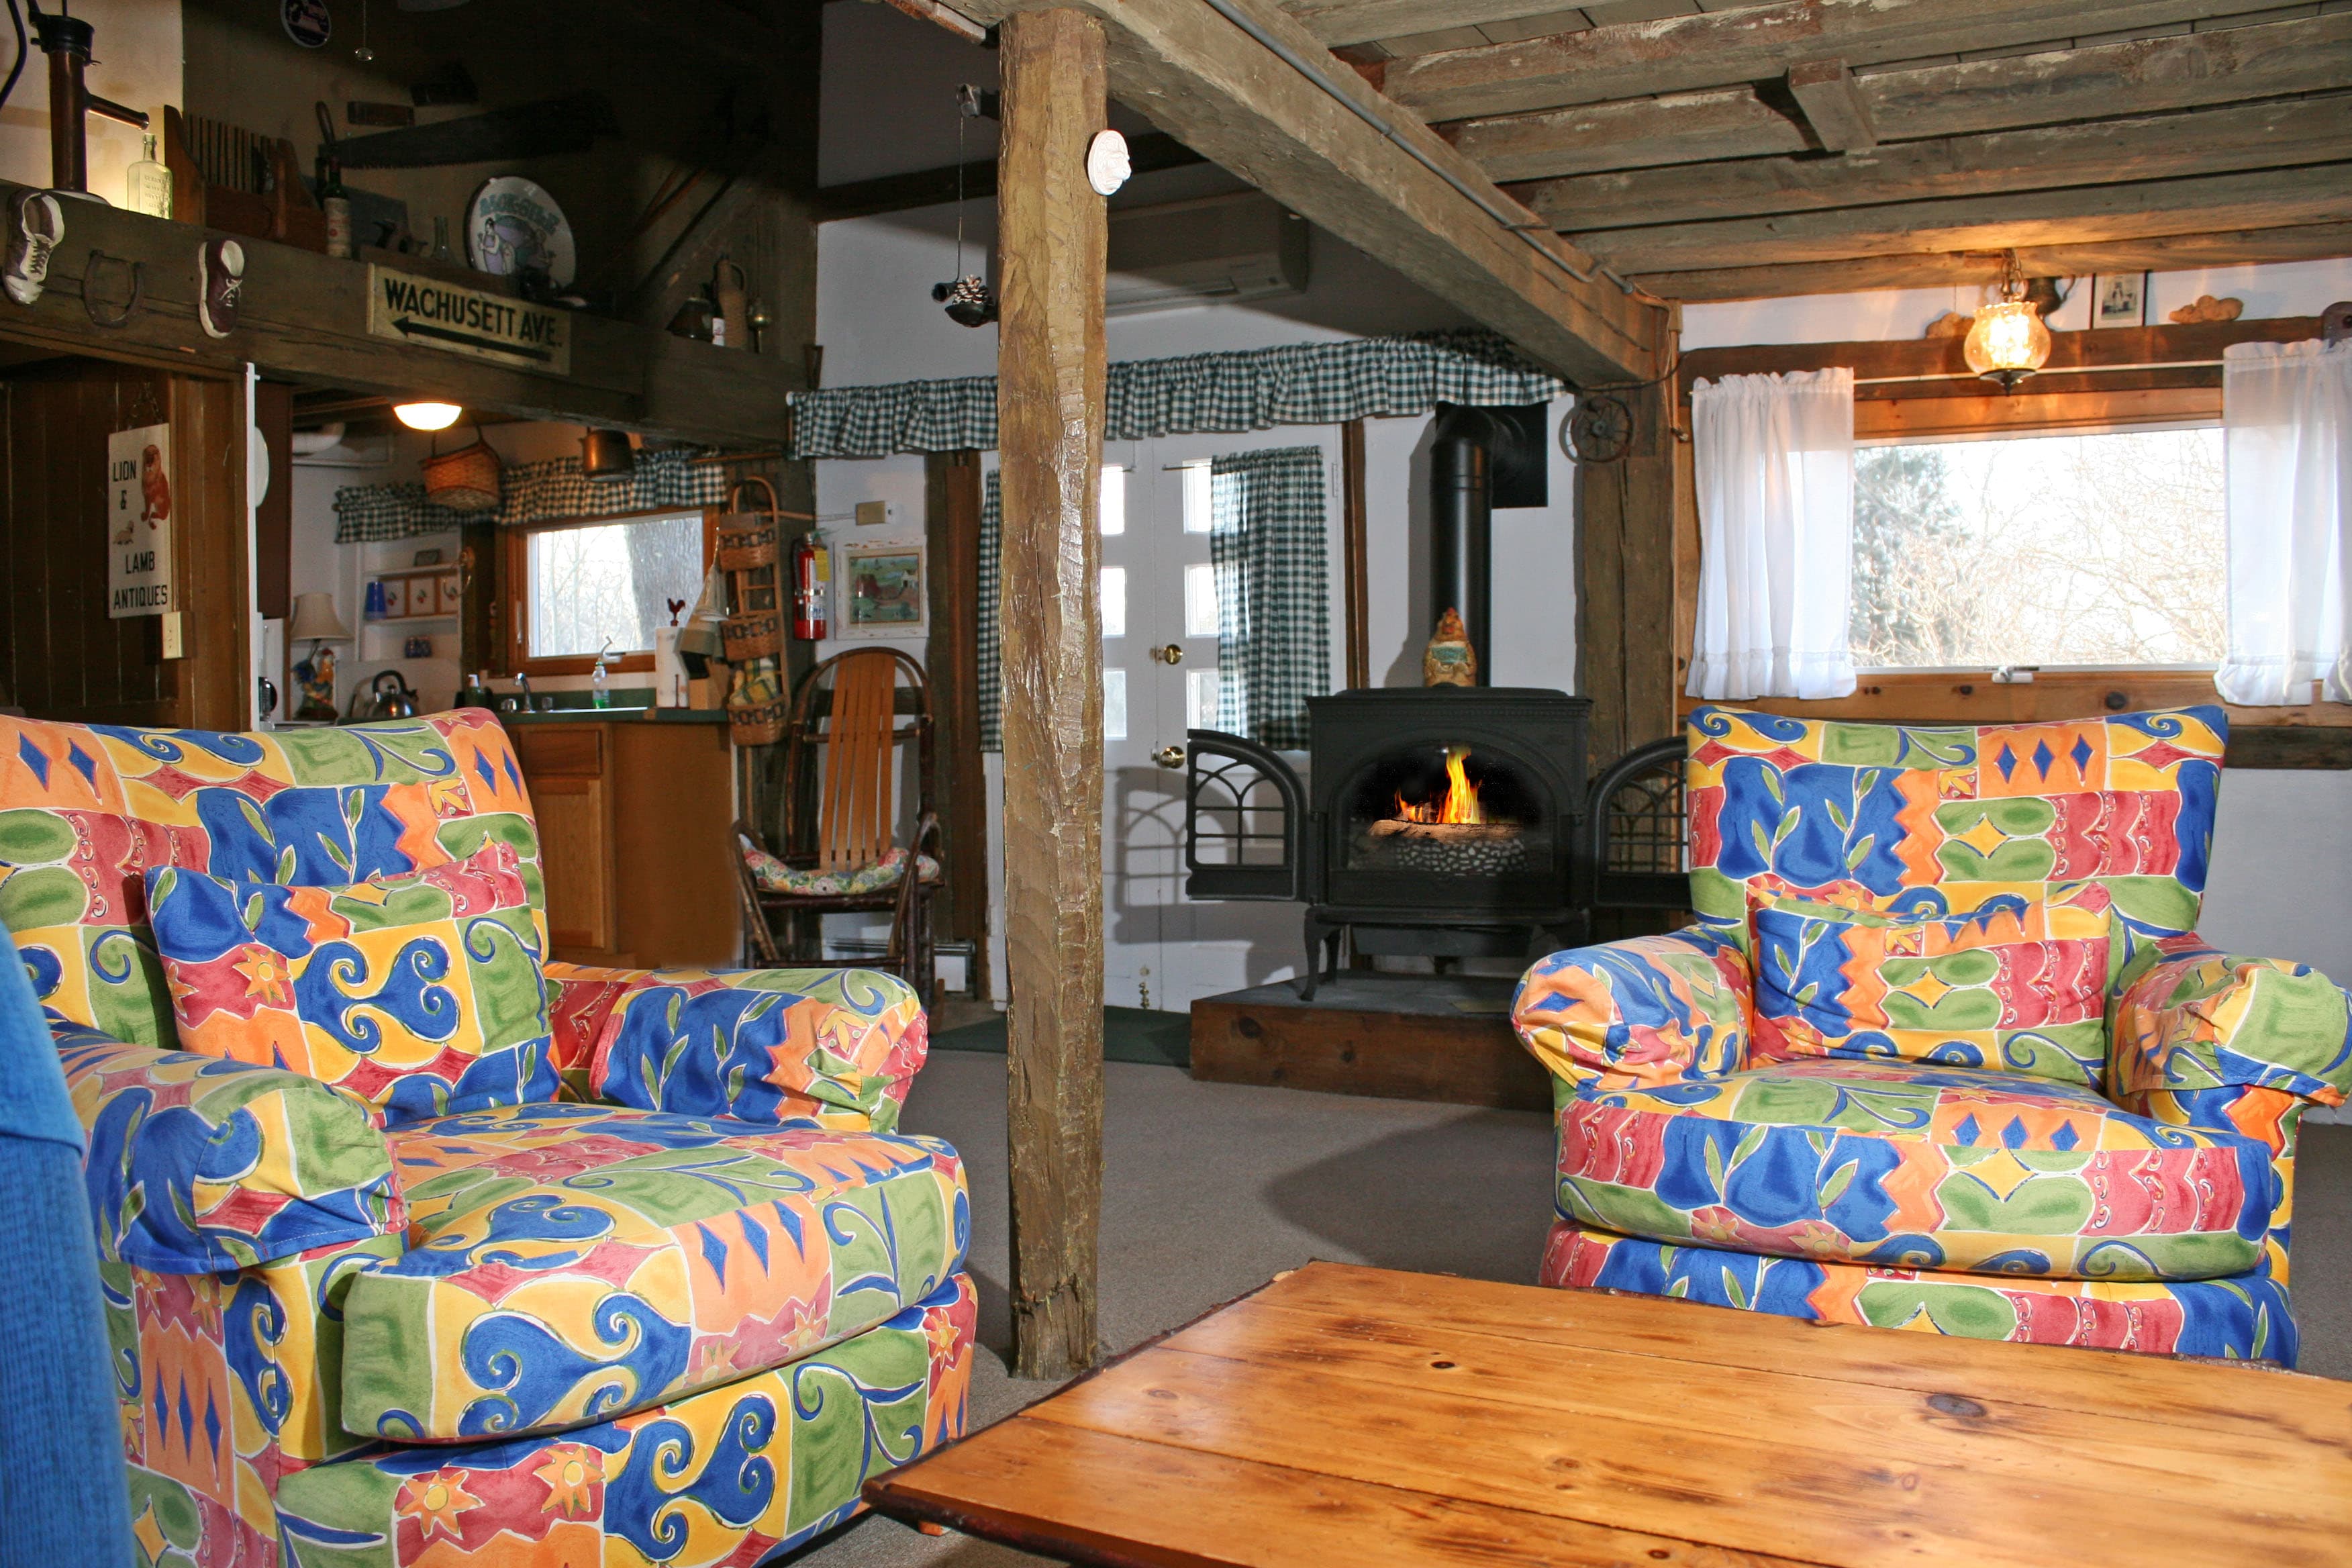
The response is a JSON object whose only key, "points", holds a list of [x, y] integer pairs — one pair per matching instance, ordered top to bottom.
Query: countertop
{"points": [[619, 716]]}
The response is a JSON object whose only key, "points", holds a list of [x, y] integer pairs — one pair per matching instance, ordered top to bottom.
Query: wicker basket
{"points": [[468, 479], [745, 546], [756, 635], [761, 726]]}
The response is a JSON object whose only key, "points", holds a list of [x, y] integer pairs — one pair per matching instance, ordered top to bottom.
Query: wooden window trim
{"points": [[1920, 390], [516, 547]]}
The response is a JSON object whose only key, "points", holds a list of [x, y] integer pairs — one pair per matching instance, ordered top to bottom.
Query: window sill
{"points": [[2316, 735]]}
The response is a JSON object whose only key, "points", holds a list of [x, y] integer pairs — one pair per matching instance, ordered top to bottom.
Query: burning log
{"points": [[1452, 848]]}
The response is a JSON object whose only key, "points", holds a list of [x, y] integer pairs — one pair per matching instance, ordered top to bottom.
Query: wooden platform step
{"points": [[1438, 1037]]}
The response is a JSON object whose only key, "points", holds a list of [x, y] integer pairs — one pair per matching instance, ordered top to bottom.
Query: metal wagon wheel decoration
{"points": [[1599, 429]]}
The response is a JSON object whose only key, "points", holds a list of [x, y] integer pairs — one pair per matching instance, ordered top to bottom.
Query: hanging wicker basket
{"points": [[470, 479], [747, 546], [747, 637]]}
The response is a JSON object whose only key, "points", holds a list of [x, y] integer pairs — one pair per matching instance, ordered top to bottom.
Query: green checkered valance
{"points": [[1190, 394], [547, 491]]}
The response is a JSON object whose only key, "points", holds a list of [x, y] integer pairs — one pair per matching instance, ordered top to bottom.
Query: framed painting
{"points": [[880, 592]]}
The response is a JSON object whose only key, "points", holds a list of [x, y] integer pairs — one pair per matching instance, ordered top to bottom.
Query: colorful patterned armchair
{"points": [[1942, 1051], [664, 1287]]}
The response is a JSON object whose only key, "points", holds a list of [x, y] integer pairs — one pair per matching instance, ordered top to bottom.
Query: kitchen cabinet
{"points": [[635, 838]]}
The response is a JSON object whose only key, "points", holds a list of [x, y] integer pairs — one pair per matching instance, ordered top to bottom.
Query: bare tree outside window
{"points": [[2103, 549], [606, 586]]}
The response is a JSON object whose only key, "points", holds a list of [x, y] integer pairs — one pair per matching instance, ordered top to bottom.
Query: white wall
{"points": [[136, 63], [2291, 289]]}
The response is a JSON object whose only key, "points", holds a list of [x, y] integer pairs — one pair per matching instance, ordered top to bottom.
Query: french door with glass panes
{"points": [[1160, 950]]}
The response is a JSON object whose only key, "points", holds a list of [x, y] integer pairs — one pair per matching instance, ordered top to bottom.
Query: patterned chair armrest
{"points": [[1639, 1012], [2212, 1039], [836, 1048], [202, 1166]]}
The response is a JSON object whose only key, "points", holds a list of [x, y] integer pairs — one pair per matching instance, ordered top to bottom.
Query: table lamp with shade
{"points": [[315, 621]]}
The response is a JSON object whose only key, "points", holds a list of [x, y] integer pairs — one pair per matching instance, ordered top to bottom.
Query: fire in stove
{"points": [[1461, 803], [1450, 834]]}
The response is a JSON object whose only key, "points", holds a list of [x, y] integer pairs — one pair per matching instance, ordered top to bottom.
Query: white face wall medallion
{"points": [[1107, 164]]}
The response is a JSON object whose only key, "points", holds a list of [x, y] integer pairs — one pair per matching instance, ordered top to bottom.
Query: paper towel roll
{"points": [[670, 670]]}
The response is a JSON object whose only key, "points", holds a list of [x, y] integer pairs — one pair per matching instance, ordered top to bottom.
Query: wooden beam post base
{"points": [[1050, 412]]}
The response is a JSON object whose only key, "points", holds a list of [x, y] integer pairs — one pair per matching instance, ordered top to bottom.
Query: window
{"points": [[1197, 492], [1112, 506], [2042, 550], [584, 587], [1200, 600], [1114, 601], [1200, 699], [1114, 705]]}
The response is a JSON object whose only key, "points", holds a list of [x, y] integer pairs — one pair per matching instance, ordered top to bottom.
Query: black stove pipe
{"points": [[1461, 524]]}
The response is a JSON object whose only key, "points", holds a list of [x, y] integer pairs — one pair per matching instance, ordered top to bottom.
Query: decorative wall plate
{"points": [[307, 22], [513, 224]]}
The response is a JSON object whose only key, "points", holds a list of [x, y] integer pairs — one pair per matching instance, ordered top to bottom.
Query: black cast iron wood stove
{"points": [[1441, 821]]}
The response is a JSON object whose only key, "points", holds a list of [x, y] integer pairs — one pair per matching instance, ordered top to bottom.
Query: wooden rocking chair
{"points": [[847, 708]]}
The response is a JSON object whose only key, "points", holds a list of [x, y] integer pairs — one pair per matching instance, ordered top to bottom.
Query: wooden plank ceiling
{"points": [[1717, 150]]}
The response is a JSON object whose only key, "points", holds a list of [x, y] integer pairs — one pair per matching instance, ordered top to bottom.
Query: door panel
{"points": [[1197, 949]]}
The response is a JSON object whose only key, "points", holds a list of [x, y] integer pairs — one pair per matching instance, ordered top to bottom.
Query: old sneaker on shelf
{"points": [[35, 225], [222, 275]]}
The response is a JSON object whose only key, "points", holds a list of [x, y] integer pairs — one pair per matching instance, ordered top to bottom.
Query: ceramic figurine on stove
{"points": [[1449, 660]]}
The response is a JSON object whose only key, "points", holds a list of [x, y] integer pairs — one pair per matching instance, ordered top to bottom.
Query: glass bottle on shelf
{"points": [[148, 185], [337, 204], [441, 251]]}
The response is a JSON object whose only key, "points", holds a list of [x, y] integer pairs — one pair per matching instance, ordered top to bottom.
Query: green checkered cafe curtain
{"points": [[1190, 394], [547, 491], [1273, 617], [991, 662]]}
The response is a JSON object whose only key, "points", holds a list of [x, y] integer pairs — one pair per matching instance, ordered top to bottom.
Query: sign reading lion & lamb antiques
{"points": [[457, 320], [139, 522]]}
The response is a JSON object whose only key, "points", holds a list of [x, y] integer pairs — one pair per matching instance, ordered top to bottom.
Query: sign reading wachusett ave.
{"points": [[457, 320]]}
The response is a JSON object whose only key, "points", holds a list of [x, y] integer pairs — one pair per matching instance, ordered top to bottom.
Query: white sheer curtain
{"points": [[2286, 416], [1774, 458]]}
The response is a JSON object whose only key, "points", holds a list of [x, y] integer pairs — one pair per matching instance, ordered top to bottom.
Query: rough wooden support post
{"points": [[1050, 397], [1626, 582]]}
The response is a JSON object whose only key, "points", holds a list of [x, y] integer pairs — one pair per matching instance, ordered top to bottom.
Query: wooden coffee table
{"points": [[1342, 1417]]}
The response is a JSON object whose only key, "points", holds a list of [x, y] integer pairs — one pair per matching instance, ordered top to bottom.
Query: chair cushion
{"points": [[773, 876], [2020, 983], [422, 995], [1912, 1165], [572, 1263]]}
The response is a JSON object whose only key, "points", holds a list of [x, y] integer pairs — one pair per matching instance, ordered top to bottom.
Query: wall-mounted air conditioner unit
{"points": [[1211, 250]]}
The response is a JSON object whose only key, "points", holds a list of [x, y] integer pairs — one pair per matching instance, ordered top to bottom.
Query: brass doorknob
{"points": [[1172, 654], [1169, 756]]}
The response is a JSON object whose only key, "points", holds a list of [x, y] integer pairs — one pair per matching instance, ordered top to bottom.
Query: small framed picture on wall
{"points": [[2119, 299], [881, 592]]}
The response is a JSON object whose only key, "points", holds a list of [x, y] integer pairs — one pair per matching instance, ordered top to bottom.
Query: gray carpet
{"points": [[1209, 1189]]}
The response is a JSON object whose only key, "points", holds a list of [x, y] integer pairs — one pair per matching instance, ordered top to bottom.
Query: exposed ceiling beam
{"points": [[1362, 21], [1682, 54], [2144, 75], [1238, 103], [1839, 115], [2276, 133], [1152, 151], [2076, 214], [2171, 252], [304, 317]]}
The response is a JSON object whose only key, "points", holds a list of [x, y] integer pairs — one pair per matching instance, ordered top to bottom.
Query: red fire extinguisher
{"points": [[811, 585]]}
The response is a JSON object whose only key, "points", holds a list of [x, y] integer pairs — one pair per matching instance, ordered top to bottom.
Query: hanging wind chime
{"points": [[970, 301]]}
